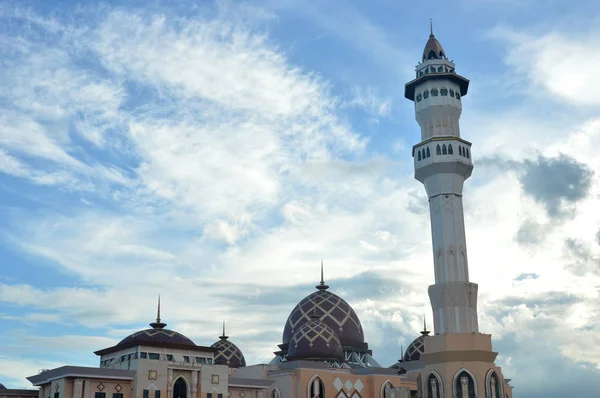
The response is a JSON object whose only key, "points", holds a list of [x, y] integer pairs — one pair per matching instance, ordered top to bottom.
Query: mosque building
{"points": [[323, 352]]}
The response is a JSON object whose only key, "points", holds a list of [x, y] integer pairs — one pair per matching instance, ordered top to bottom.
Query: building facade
{"points": [[323, 352]]}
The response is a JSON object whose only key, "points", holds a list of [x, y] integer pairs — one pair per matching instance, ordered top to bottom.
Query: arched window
{"points": [[431, 55], [444, 91], [434, 92], [451, 93], [426, 94], [457, 95], [419, 97], [438, 150], [444, 150], [450, 150], [460, 151], [467, 152], [423, 153], [428, 153], [419, 157], [464, 385], [434, 386], [316, 388], [493, 388], [387, 390], [276, 394]]}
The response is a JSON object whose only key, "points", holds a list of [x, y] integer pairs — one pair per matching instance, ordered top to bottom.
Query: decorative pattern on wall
{"points": [[349, 388]]}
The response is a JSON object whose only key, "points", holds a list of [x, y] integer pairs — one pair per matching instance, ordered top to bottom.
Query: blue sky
{"points": [[215, 152]]}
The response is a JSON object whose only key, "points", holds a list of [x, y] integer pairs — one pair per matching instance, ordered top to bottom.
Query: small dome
{"points": [[433, 49], [332, 310], [314, 340], [416, 348], [229, 354], [2, 387]]}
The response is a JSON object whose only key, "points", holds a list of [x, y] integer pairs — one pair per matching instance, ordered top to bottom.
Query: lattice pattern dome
{"points": [[330, 309], [156, 336], [314, 340], [416, 348], [229, 354]]}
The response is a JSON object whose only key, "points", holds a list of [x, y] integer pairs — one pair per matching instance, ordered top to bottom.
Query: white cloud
{"points": [[559, 64]]}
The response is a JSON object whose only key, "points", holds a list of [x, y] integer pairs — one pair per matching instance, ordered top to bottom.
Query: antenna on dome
{"points": [[322, 285], [158, 324], [223, 336]]}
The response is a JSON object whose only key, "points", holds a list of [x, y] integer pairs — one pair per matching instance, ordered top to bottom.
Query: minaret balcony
{"points": [[442, 155]]}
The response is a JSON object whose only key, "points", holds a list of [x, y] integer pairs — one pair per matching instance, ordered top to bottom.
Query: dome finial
{"points": [[430, 26], [322, 285], [158, 324], [424, 332], [223, 336]]}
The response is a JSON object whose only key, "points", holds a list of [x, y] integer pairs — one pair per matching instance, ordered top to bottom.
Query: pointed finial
{"points": [[430, 26], [322, 285], [158, 311], [158, 324], [425, 332], [223, 336], [401, 353]]}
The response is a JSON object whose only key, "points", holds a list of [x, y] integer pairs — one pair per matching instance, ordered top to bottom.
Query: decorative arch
{"points": [[426, 94], [438, 150], [444, 150], [450, 150], [467, 152], [428, 153], [419, 155], [451, 263], [458, 382], [386, 384], [493, 385], [435, 386], [180, 388], [315, 388], [276, 393]]}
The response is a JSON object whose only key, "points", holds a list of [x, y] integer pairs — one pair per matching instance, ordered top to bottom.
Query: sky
{"points": [[215, 152]]}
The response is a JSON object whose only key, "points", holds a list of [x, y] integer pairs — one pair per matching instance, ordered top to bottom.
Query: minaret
{"points": [[442, 163], [457, 360]]}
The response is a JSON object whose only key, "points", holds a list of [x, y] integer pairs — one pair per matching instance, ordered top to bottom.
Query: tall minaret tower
{"points": [[442, 163], [458, 361]]}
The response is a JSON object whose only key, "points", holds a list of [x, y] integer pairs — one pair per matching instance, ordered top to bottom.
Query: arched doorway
{"points": [[180, 388]]}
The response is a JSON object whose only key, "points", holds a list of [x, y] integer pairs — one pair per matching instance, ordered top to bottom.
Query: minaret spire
{"points": [[322, 285], [158, 324]]}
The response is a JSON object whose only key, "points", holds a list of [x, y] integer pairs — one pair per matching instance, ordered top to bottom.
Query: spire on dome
{"points": [[430, 27], [322, 285], [158, 324], [425, 332], [223, 336]]}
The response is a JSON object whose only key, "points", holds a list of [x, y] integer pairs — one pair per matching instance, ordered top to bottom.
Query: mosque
{"points": [[323, 352]]}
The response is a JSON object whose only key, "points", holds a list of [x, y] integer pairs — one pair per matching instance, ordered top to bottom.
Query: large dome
{"points": [[330, 309], [158, 335], [154, 336], [314, 340], [229, 354]]}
